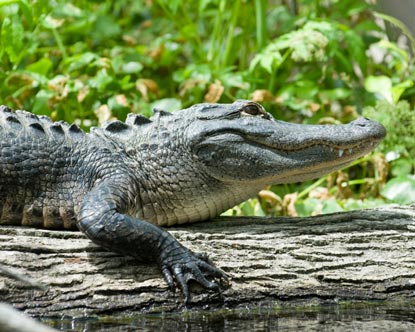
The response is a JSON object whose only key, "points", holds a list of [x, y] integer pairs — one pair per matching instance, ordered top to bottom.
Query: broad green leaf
{"points": [[8, 2], [204, 3], [172, 5], [11, 7], [356, 8], [26, 9], [366, 25], [105, 27], [12, 34], [282, 42], [393, 47], [357, 48], [268, 60], [342, 60], [79, 61], [254, 62], [41, 66], [132, 67], [201, 72], [101, 80], [234, 80], [125, 83], [381, 85], [400, 88], [306, 89], [335, 94], [40, 104], [401, 166], [400, 190], [367, 203], [353, 204], [308, 206], [330, 206], [248, 207], [252, 207], [258, 211], [228, 213]]}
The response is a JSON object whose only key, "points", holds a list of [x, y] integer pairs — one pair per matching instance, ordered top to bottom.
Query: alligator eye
{"points": [[251, 109], [255, 110]]}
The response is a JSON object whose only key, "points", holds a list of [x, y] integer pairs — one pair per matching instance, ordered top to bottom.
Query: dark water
{"points": [[356, 317]]}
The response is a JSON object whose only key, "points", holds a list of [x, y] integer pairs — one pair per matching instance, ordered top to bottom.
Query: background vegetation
{"points": [[305, 61]]}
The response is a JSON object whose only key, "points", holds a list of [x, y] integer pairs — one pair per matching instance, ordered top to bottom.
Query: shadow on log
{"points": [[359, 255]]}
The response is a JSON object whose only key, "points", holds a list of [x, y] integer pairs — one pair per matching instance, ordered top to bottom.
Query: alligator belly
{"points": [[35, 215]]}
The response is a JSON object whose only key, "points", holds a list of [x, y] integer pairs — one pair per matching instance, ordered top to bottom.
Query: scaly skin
{"points": [[119, 183]]}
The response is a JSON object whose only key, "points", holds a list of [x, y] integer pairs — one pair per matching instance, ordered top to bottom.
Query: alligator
{"points": [[120, 183]]}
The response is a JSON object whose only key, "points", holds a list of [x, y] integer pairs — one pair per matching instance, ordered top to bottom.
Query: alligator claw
{"points": [[183, 266], [168, 278]]}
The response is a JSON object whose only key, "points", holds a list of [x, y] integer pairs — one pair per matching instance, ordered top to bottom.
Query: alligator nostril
{"points": [[362, 122]]}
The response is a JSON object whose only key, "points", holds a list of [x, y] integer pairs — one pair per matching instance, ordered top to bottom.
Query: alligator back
{"points": [[39, 163]]}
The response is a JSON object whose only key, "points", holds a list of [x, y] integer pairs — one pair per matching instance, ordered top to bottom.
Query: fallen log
{"points": [[358, 255]]}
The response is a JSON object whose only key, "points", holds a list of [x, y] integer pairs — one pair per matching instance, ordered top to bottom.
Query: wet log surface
{"points": [[360, 255]]}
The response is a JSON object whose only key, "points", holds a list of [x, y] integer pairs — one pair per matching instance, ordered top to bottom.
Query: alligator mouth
{"points": [[341, 150], [350, 151], [324, 159], [310, 161]]}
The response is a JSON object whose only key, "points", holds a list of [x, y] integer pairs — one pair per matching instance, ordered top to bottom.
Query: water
{"points": [[340, 318]]}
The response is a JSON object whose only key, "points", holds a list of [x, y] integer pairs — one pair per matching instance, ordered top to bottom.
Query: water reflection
{"points": [[356, 317]]}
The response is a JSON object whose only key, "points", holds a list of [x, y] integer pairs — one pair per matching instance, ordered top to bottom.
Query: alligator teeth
{"points": [[341, 153]]}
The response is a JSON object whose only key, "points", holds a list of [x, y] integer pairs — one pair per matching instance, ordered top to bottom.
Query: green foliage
{"points": [[303, 45], [193, 51], [89, 61], [71, 63], [399, 121], [399, 148], [400, 189]]}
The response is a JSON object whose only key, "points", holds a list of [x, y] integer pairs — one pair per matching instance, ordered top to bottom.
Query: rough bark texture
{"points": [[361, 255]]}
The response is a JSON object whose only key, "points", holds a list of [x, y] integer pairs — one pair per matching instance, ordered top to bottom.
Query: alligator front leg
{"points": [[99, 217]]}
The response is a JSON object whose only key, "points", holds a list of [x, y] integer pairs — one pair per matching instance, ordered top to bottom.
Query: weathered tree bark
{"points": [[360, 255]]}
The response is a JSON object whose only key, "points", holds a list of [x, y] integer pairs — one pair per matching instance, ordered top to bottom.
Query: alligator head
{"points": [[242, 142]]}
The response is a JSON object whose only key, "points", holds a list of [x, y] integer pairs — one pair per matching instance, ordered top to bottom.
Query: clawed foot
{"points": [[180, 265]]}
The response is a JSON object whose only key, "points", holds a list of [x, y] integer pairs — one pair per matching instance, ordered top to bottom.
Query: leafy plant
{"points": [[89, 61], [399, 148]]}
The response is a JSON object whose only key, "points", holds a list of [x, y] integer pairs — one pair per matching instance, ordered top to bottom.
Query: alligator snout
{"points": [[377, 130]]}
